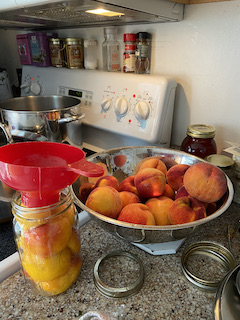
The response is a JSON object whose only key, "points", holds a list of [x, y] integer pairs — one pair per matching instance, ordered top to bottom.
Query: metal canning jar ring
{"points": [[215, 258], [121, 291]]}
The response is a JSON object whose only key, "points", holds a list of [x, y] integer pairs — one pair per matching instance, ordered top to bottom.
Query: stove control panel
{"points": [[139, 106]]}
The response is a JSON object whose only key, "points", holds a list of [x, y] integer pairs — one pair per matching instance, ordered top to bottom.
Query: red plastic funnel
{"points": [[40, 170]]}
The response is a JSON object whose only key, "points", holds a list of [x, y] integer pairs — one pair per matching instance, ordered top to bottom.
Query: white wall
{"points": [[202, 53]]}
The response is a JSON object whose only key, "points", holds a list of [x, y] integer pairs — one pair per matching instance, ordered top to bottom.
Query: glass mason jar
{"points": [[111, 50], [199, 141], [48, 242]]}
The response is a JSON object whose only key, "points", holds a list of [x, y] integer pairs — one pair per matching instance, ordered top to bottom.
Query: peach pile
{"points": [[160, 192], [49, 246]]}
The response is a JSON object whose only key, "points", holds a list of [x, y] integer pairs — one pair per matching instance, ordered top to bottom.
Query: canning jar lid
{"points": [[143, 35], [201, 131], [220, 161], [206, 263], [118, 274]]}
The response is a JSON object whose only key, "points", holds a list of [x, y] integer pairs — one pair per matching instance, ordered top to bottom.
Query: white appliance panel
{"points": [[136, 106]]}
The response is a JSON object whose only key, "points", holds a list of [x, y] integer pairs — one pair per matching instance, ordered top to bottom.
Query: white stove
{"points": [[121, 109]]}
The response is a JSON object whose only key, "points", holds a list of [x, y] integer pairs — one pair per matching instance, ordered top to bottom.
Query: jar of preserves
{"points": [[129, 52], [143, 52], [199, 141], [48, 242]]}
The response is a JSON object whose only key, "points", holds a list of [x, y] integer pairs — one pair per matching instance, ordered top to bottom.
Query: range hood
{"points": [[55, 14]]}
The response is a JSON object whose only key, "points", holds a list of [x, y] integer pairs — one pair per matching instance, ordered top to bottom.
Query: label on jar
{"points": [[55, 53], [74, 56], [129, 62], [115, 65]]}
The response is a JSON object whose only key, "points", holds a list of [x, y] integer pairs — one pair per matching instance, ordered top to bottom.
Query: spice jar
{"points": [[111, 50], [56, 52], [129, 52], [143, 52], [74, 53], [90, 54], [199, 140], [48, 242]]}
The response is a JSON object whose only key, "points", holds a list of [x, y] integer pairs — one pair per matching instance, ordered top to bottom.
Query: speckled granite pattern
{"points": [[166, 293]]}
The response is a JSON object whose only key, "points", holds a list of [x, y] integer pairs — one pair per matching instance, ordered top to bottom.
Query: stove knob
{"points": [[26, 87], [35, 88], [106, 104], [121, 106], [142, 110]]}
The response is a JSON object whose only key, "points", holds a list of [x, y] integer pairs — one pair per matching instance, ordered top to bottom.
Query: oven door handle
{"points": [[72, 118]]}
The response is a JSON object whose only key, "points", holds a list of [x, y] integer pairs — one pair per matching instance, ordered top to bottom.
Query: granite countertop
{"points": [[166, 293]]}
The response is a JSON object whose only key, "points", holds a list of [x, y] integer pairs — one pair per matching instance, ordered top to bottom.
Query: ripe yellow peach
{"points": [[150, 182], [128, 197], [105, 200], [160, 207], [137, 213], [49, 238], [74, 243], [46, 268], [61, 284]]}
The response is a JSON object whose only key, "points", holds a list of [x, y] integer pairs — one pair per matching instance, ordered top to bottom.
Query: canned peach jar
{"points": [[48, 242]]}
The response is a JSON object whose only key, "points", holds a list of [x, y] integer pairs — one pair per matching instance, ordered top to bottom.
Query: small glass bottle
{"points": [[111, 50], [129, 52], [143, 53], [90, 54], [199, 141], [48, 242]]}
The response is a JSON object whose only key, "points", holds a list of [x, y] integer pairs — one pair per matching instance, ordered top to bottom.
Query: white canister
{"points": [[90, 54]]}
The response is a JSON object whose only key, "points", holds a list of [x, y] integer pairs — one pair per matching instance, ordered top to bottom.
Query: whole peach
{"points": [[120, 160], [153, 162], [169, 162], [175, 175], [107, 181], [150, 182], [205, 182], [128, 185], [84, 191], [169, 192], [181, 192], [128, 197], [105, 200], [159, 208], [186, 209], [137, 213], [49, 238]]}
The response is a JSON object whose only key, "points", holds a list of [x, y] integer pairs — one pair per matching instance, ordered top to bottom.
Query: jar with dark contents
{"points": [[143, 52], [200, 141]]}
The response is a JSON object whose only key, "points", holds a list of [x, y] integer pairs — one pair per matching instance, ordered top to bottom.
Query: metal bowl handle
{"points": [[72, 118], [6, 132]]}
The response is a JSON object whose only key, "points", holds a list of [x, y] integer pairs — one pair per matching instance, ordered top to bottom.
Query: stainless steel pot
{"points": [[44, 118]]}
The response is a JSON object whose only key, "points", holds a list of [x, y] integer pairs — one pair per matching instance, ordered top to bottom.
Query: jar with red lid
{"points": [[129, 52], [200, 141]]}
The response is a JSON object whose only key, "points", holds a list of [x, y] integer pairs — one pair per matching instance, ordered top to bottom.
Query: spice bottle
{"points": [[111, 50], [129, 52], [143, 52], [74, 53], [90, 54], [199, 141], [48, 242]]}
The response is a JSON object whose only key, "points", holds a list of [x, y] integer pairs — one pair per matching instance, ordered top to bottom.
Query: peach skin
{"points": [[153, 162], [175, 175], [107, 181], [150, 182], [205, 182], [128, 185], [128, 197], [105, 200], [160, 208], [186, 209], [137, 213]]}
